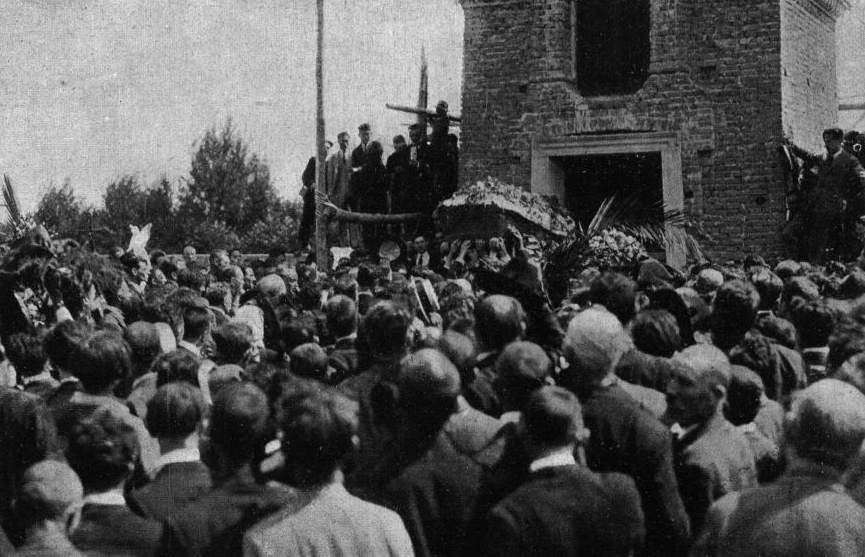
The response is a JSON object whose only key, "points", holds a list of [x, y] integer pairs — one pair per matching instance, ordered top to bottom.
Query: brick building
{"points": [[678, 100]]}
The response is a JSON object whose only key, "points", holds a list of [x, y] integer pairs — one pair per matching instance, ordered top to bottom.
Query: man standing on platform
{"points": [[359, 155], [397, 169], [444, 171], [338, 175], [337, 179], [418, 183], [307, 193], [368, 193], [835, 198]]}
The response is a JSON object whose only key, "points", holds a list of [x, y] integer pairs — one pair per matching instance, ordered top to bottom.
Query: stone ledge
{"points": [[470, 4], [833, 7]]}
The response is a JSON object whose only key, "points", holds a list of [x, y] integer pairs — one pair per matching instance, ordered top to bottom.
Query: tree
{"points": [[227, 183], [128, 202], [124, 205], [159, 209], [62, 214], [278, 231], [211, 234]]}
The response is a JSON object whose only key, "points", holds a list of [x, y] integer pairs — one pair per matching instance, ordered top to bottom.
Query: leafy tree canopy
{"points": [[227, 183], [227, 202]]}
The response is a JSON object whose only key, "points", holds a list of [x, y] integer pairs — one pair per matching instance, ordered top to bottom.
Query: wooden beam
{"points": [[335, 213]]}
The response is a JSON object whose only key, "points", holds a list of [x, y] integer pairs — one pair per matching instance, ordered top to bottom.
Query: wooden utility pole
{"points": [[321, 258]]}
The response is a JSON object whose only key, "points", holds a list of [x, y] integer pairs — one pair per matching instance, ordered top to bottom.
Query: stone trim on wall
{"points": [[548, 178]]}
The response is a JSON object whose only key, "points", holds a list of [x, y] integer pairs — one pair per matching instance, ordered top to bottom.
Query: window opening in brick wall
{"points": [[613, 46], [636, 177]]}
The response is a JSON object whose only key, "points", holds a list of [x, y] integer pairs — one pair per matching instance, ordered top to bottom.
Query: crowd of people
{"points": [[415, 178], [158, 405]]}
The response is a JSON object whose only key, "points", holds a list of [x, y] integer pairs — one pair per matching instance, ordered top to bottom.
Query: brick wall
{"points": [[715, 79], [808, 82]]}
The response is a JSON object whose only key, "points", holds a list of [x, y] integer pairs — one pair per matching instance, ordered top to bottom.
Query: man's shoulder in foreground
{"points": [[562, 509], [806, 515], [329, 522], [214, 523]]}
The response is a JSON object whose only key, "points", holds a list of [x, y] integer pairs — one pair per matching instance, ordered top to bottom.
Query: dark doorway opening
{"points": [[591, 179]]}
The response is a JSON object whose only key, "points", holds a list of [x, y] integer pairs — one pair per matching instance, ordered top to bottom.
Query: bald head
{"points": [[272, 287], [499, 320], [594, 343], [826, 423], [50, 490]]}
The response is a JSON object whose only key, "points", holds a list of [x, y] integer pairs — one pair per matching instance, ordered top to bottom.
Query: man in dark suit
{"points": [[359, 153], [397, 171], [418, 183], [368, 192], [307, 194], [838, 195], [422, 258], [499, 320], [102, 363], [521, 369], [174, 417], [625, 438], [102, 450], [713, 458], [419, 473], [563, 508], [806, 511], [214, 523]]}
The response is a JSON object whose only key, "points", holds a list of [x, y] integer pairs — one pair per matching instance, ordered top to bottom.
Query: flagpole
{"points": [[321, 258]]}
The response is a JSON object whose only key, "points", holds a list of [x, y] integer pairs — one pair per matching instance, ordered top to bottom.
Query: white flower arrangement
{"points": [[495, 194], [613, 248]]}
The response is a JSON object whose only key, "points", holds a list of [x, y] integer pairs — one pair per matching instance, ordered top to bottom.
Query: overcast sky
{"points": [[93, 90]]}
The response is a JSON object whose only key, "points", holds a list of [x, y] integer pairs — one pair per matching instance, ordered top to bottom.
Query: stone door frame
{"points": [[548, 176]]}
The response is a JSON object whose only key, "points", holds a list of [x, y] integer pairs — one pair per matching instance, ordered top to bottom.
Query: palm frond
{"points": [[11, 201], [602, 216], [13, 222], [668, 229], [668, 232]]}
